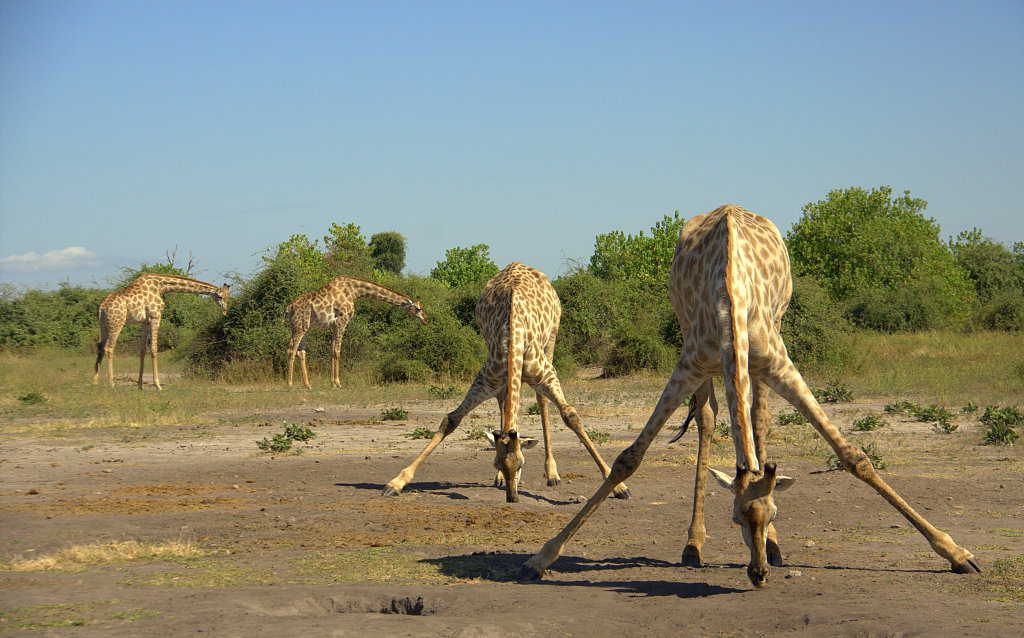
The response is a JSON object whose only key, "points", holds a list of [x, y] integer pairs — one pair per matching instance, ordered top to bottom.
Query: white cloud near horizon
{"points": [[70, 258]]}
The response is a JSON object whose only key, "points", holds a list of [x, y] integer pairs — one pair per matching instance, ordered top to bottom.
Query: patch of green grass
{"points": [[445, 392], [33, 398], [534, 409], [394, 414], [791, 418], [869, 423], [420, 433], [599, 436], [374, 565], [205, 574], [1004, 581], [45, 617]]}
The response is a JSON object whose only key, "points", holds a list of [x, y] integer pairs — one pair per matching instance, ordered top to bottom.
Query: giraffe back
{"points": [[730, 251], [518, 300]]}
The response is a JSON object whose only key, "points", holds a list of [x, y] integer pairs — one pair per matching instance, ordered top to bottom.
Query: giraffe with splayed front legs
{"points": [[730, 284], [142, 302], [330, 307], [518, 313]]}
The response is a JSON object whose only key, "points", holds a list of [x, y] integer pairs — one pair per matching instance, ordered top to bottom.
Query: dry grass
{"points": [[78, 557]]}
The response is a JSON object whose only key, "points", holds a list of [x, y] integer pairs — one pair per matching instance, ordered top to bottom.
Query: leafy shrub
{"points": [[619, 256], [883, 259], [465, 266], [1004, 312], [814, 329], [636, 349], [446, 392], [834, 392], [903, 407], [970, 408], [533, 409], [394, 414], [791, 418], [868, 423], [1000, 423], [297, 432], [420, 433], [475, 433], [599, 436], [279, 444], [833, 464]]}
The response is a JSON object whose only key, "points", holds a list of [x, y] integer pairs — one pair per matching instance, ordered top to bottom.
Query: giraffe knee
{"points": [[449, 424], [858, 464], [625, 465]]}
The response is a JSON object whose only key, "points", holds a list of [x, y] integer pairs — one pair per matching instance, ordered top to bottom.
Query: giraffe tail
{"points": [[101, 345], [735, 349], [514, 366]]}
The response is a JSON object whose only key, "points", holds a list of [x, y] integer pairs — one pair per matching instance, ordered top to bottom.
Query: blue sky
{"points": [[129, 129]]}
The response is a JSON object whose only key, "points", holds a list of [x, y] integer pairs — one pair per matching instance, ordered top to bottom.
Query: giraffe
{"points": [[730, 284], [142, 302], [331, 306], [518, 313]]}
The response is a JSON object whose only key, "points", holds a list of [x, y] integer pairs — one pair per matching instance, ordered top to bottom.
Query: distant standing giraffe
{"points": [[730, 285], [142, 302], [331, 306], [518, 313]]}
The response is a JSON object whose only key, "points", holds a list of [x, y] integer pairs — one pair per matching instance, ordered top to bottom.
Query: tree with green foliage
{"points": [[387, 250], [347, 252], [619, 256], [882, 259], [465, 266], [65, 317]]}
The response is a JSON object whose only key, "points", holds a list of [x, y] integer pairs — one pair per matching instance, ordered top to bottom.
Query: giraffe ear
{"points": [[490, 438], [527, 443], [723, 479]]}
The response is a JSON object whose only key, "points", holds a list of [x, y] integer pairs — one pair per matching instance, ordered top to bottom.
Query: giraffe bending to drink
{"points": [[730, 284], [142, 302], [331, 306], [518, 313]]}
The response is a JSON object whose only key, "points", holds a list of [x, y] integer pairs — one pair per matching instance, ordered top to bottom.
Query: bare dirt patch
{"points": [[304, 543]]}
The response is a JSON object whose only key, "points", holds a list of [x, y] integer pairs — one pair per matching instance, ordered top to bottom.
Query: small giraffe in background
{"points": [[729, 285], [142, 302], [331, 306], [518, 313]]}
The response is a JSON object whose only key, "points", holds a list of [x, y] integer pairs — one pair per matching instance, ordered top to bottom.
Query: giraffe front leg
{"points": [[154, 329], [143, 342], [786, 380], [682, 383], [483, 388], [706, 408], [761, 418], [550, 469]]}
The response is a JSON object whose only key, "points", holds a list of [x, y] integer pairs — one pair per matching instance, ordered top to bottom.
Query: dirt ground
{"points": [[304, 544]]}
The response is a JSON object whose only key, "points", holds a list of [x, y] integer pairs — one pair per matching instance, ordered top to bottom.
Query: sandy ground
{"points": [[304, 544]]}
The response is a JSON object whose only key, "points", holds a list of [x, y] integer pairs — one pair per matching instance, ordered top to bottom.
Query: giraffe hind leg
{"points": [[706, 408]]}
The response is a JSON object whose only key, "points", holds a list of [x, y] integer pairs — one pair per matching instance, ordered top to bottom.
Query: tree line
{"points": [[861, 259]]}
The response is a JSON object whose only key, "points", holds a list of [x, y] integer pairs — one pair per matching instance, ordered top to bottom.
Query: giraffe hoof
{"points": [[553, 482], [390, 491], [621, 492], [774, 555], [691, 557], [970, 566], [528, 574]]}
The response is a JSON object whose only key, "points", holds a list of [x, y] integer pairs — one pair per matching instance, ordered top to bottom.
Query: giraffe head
{"points": [[221, 297], [416, 310], [509, 459], [753, 510]]}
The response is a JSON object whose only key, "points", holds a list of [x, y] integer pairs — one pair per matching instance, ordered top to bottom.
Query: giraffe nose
{"points": [[758, 575]]}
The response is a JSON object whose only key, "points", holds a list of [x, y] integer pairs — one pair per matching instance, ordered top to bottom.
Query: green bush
{"points": [[883, 259], [1005, 311], [65, 317], [814, 330], [635, 350], [868, 423], [1000, 424]]}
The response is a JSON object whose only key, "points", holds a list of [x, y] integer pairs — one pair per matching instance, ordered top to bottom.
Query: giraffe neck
{"points": [[173, 283], [369, 289]]}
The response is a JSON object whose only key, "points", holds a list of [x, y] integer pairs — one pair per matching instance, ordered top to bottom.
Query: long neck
{"points": [[172, 283], [370, 289]]}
